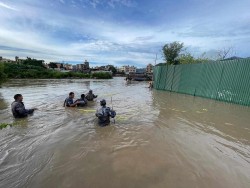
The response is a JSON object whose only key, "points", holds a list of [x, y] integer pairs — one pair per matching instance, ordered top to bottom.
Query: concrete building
{"points": [[4, 60], [18, 60], [67, 66], [83, 67], [149, 68], [127, 69]]}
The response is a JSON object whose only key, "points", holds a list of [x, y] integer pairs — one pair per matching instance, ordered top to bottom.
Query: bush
{"points": [[31, 71], [101, 75], [3, 76]]}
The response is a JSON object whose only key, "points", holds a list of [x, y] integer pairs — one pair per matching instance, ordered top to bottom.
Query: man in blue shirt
{"points": [[69, 100]]}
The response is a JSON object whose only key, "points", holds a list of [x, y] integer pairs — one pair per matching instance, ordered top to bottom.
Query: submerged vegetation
{"points": [[31, 71], [3, 125]]}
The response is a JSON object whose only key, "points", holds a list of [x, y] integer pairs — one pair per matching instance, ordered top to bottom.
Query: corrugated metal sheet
{"points": [[223, 80]]}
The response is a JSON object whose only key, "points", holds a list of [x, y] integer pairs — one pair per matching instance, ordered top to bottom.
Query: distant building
{"points": [[4, 60], [19, 61], [86, 64], [56, 66], [68, 67], [74, 67], [83, 67], [103, 68], [149, 68], [127, 69]]}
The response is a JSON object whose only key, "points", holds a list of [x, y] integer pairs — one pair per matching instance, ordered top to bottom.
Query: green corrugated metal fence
{"points": [[223, 80]]}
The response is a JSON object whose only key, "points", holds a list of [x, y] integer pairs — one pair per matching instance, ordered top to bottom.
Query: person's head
{"points": [[90, 91], [71, 95], [82, 96], [18, 97], [103, 102]]}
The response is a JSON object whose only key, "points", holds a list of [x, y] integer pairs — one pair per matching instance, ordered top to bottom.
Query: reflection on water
{"points": [[159, 139]]}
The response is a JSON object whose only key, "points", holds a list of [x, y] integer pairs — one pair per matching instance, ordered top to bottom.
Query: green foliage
{"points": [[171, 52], [186, 59], [189, 59], [203, 59], [33, 62], [161, 64], [52, 65], [113, 69], [29, 71], [2, 74], [101, 75], [3, 125]]}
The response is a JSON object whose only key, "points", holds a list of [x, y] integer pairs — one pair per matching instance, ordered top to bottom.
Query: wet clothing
{"points": [[90, 96], [68, 101], [83, 102], [19, 111], [104, 113]]}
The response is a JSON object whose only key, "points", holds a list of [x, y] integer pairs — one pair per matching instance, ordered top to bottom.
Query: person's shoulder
{"points": [[14, 102], [18, 103]]}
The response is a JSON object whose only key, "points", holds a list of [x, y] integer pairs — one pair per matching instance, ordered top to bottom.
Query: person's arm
{"points": [[71, 104], [74, 104], [30, 111], [99, 113], [112, 113]]}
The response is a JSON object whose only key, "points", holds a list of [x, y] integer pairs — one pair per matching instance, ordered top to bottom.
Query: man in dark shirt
{"points": [[90, 96], [69, 100], [82, 101], [18, 108], [104, 113]]}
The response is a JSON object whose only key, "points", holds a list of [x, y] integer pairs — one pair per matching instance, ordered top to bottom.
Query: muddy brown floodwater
{"points": [[158, 140]]}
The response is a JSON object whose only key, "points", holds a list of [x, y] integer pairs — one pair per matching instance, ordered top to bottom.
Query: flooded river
{"points": [[158, 139]]}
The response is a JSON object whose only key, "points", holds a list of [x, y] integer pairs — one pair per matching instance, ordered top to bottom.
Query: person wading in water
{"points": [[90, 96], [69, 101], [18, 108], [104, 113]]}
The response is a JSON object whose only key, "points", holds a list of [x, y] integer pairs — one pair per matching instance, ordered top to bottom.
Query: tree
{"points": [[171, 52], [225, 53], [187, 58], [203, 58], [33, 62], [52, 65], [61, 66], [113, 69], [2, 74]]}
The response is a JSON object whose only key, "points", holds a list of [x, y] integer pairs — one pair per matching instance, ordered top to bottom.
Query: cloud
{"points": [[126, 3], [7, 6], [116, 31]]}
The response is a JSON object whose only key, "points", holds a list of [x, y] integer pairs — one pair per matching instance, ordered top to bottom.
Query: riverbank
{"points": [[16, 71]]}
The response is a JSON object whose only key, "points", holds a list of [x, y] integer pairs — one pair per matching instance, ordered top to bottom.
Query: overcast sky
{"points": [[121, 32]]}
